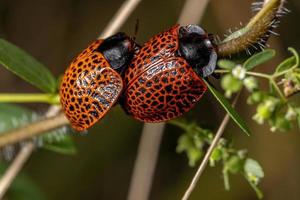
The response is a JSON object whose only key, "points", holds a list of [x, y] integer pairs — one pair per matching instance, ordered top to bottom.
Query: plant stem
{"points": [[119, 18], [257, 74], [278, 90], [29, 98], [33, 129], [208, 153], [20, 159], [146, 159], [15, 168]]}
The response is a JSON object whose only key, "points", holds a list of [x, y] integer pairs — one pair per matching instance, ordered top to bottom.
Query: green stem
{"points": [[297, 62], [257, 74], [271, 78], [272, 81], [29, 98], [226, 179], [255, 188]]}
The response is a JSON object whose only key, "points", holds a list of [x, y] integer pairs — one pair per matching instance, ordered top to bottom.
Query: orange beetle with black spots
{"points": [[164, 79], [92, 84]]}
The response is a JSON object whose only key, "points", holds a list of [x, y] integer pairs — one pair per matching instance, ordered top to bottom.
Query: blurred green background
{"points": [[54, 31]]}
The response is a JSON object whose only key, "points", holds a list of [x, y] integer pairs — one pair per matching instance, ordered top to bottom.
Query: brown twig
{"points": [[120, 17], [32, 129], [20, 159], [146, 160], [205, 160], [15, 168]]}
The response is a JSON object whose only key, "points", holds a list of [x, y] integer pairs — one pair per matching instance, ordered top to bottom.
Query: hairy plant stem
{"points": [[254, 32]]}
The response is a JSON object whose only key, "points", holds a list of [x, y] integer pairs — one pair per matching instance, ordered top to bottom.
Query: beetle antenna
{"points": [[136, 29]]}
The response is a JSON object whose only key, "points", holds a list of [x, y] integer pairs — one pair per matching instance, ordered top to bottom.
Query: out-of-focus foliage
{"points": [[275, 105], [13, 116], [194, 142]]}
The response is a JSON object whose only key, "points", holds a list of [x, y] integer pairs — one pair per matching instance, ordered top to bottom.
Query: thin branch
{"points": [[120, 17], [33, 129], [148, 150], [208, 153], [20, 160], [145, 162], [15, 168]]}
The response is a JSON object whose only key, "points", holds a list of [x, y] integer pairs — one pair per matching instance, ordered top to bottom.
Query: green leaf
{"points": [[259, 58], [289, 62], [226, 64], [286, 64], [25, 66], [229, 109], [12, 116], [298, 116], [184, 143], [61, 144], [253, 168]]}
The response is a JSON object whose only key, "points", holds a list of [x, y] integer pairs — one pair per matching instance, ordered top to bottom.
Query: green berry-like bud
{"points": [[239, 72], [250, 83], [230, 84], [256, 97], [264, 111], [291, 114], [281, 124]]}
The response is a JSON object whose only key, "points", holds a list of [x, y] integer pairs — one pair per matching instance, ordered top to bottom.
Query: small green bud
{"points": [[239, 72], [250, 83], [230, 84], [256, 97], [264, 111], [291, 114], [281, 124], [216, 154], [234, 164], [254, 179]]}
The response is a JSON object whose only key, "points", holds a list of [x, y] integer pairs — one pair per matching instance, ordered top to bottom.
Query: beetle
{"points": [[164, 79], [92, 84]]}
